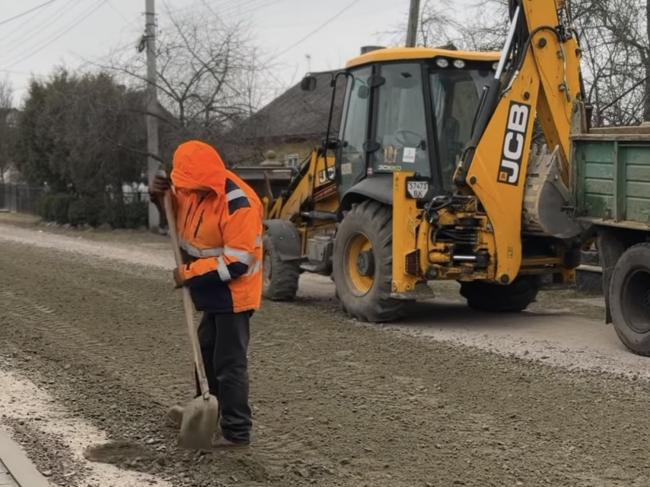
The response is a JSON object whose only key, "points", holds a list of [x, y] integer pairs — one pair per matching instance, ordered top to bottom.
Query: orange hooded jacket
{"points": [[219, 221]]}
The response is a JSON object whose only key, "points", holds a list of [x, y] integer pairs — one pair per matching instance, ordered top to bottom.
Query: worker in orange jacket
{"points": [[219, 222]]}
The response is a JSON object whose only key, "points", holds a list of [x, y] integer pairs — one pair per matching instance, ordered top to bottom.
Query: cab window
{"points": [[455, 96], [400, 122], [352, 158]]}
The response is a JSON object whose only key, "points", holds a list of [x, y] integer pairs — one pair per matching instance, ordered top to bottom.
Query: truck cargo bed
{"points": [[612, 176]]}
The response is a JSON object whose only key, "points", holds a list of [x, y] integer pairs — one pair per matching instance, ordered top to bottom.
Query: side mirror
{"points": [[308, 83], [332, 143]]}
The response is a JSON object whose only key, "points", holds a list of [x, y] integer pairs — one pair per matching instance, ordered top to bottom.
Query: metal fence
{"points": [[22, 198]]}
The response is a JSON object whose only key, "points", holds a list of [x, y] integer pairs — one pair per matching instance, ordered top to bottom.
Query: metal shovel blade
{"points": [[200, 417]]}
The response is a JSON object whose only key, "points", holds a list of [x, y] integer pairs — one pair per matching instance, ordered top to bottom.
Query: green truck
{"points": [[611, 191]]}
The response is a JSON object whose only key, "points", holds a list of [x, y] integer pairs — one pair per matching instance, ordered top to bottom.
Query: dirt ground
{"points": [[336, 403]]}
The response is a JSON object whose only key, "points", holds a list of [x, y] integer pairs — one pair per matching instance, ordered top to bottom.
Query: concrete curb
{"points": [[17, 464]]}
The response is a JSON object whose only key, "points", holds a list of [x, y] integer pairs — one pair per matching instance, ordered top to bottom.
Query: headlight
{"points": [[442, 62], [459, 64]]}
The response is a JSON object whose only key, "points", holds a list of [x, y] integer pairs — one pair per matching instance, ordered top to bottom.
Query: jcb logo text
{"points": [[514, 143]]}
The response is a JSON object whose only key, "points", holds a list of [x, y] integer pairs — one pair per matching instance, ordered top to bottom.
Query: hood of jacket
{"points": [[198, 166]]}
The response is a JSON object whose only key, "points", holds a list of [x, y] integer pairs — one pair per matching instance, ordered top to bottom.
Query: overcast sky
{"points": [[69, 31]]}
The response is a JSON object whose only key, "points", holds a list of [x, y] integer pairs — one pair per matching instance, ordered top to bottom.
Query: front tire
{"points": [[363, 264], [487, 296], [629, 299]]}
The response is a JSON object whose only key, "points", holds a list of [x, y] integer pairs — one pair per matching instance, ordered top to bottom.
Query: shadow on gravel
{"points": [[446, 313], [454, 315], [121, 453], [154, 457]]}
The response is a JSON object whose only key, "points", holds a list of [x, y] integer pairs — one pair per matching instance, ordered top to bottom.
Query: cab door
{"points": [[386, 128], [352, 156]]}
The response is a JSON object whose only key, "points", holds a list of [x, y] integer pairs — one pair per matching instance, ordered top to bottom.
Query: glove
{"points": [[160, 184], [179, 278]]}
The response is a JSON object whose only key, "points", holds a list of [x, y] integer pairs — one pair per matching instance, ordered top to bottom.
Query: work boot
{"points": [[174, 416], [222, 442]]}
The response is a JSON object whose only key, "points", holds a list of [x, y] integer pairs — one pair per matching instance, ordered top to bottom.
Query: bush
{"points": [[44, 206], [94, 206], [55, 207], [85, 210], [92, 210], [77, 213], [113, 213], [136, 214]]}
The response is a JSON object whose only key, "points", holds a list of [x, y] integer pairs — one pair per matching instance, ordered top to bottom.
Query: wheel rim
{"points": [[359, 264], [266, 265], [636, 300]]}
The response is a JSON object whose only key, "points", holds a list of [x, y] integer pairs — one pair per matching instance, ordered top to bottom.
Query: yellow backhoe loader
{"points": [[434, 175], [302, 221]]}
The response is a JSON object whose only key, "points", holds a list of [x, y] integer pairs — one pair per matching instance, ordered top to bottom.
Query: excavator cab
{"points": [[407, 110]]}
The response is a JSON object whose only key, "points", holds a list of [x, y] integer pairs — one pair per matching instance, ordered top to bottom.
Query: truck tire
{"points": [[363, 263], [280, 277], [487, 296], [629, 298]]}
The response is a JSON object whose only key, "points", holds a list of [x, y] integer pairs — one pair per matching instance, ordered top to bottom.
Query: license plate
{"points": [[417, 189]]}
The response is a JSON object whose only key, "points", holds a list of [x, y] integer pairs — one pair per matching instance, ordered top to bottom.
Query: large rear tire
{"points": [[363, 264], [280, 277], [486, 296], [629, 298]]}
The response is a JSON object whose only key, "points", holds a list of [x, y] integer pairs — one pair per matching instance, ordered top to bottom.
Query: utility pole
{"points": [[412, 32], [153, 164]]}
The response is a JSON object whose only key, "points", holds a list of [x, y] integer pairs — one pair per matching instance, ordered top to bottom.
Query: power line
{"points": [[192, 8], [244, 8], [230, 10], [26, 12], [119, 12], [220, 14], [78, 21], [21, 27], [37, 28], [316, 30], [41, 32]]}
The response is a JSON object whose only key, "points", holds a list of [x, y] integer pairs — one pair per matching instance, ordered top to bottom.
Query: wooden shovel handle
{"points": [[187, 300]]}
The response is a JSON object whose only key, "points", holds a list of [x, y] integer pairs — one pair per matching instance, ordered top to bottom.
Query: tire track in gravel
{"points": [[335, 404]]}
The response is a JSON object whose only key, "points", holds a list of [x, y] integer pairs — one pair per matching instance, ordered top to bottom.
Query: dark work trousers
{"points": [[224, 344]]}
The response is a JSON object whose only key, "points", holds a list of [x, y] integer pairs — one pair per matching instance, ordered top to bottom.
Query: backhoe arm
{"points": [[540, 80]]}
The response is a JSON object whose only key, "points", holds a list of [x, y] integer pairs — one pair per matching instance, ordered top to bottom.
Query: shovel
{"points": [[201, 415]]}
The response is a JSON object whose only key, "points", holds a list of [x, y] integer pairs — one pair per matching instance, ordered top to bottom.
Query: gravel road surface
{"points": [[93, 326], [563, 328]]}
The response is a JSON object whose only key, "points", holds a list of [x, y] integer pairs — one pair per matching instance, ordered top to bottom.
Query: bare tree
{"points": [[443, 24], [625, 48], [208, 72]]}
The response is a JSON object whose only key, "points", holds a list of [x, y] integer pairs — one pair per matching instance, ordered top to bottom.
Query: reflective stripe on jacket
{"points": [[221, 243]]}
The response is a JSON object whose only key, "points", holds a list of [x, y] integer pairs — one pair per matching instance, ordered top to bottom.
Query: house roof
{"points": [[296, 114]]}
